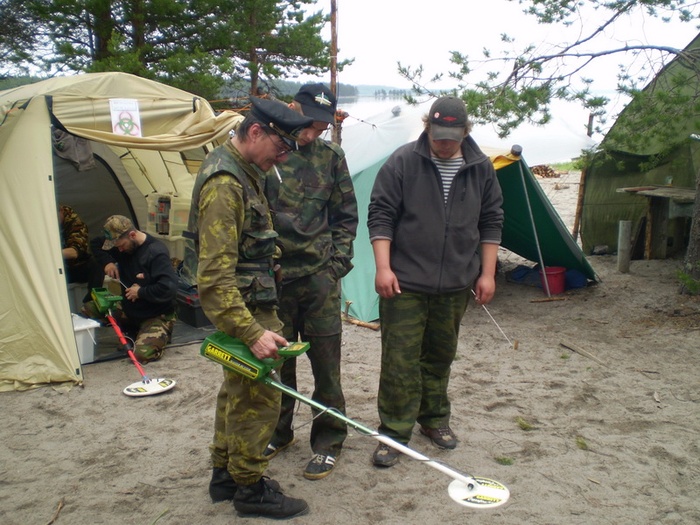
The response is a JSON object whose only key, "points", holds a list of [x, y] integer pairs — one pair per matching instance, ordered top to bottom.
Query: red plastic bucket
{"points": [[556, 279]]}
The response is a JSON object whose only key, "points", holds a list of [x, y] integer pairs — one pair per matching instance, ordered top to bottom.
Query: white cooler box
{"points": [[85, 338]]}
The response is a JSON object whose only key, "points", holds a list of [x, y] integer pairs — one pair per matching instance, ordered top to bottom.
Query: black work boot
{"points": [[221, 487], [262, 499]]}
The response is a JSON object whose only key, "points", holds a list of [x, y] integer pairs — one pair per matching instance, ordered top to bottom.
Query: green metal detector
{"points": [[233, 354]]}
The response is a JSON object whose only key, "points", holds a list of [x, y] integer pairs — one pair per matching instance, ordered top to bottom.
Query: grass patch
{"points": [[569, 165], [524, 425], [581, 443], [504, 460]]}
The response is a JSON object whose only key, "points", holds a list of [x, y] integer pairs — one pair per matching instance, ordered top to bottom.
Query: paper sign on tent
{"points": [[126, 119]]}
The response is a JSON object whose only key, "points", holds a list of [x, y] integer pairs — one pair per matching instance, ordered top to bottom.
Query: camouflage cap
{"points": [[317, 102], [284, 121], [114, 228]]}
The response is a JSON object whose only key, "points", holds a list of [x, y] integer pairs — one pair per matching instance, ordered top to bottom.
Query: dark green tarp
{"points": [[651, 143]]}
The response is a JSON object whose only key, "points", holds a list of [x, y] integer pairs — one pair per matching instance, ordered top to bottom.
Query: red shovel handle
{"points": [[125, 344]]}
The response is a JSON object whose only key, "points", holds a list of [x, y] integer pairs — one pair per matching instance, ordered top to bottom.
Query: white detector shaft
{"points": [[467, 490]]}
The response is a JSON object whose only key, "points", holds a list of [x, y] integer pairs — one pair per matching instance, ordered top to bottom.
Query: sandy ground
{"points": [[610, 437]]}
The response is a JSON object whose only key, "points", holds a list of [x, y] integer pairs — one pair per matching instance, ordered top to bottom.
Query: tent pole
{"points": [[336, 129], [517, 151]]}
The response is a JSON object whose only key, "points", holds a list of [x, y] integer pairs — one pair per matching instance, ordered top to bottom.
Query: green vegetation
{"points": [[197, 46], [518, 84], [564, 166], [690, 283], [524, 425], [581, 443], [504, 460]]}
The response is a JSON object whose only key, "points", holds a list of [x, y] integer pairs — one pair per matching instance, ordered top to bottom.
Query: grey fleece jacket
{"points": [[435, 246]]}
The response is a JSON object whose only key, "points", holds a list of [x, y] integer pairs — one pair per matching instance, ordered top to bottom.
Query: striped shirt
{"points": [[448, 169]]}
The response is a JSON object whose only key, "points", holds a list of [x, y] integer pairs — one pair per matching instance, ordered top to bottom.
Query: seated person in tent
{"points": [[79, 263], [142, 265]]}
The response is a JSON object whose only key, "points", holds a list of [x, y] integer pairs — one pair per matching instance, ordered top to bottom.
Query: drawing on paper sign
{"points": [[126, 119]]}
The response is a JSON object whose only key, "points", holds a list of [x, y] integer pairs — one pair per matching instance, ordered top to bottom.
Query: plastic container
{"points": [[556, 279], [76, 294], [189, 311], [85, 338]]}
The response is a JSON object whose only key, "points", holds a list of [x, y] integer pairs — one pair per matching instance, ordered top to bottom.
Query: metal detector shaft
{"points": [[125, 344], [470, 482]]}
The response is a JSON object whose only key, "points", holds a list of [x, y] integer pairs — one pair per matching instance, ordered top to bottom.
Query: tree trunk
{"points": [[691, 264]]}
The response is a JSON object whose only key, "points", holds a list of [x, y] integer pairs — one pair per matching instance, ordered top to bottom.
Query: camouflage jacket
{"points": [[314, 210], [74, 234], [235, 243]]}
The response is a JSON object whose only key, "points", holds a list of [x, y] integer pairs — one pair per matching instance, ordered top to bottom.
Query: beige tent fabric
{"points": [[37, 341]]}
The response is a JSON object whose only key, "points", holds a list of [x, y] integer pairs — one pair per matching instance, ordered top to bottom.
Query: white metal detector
{"points": [[466, 490]]}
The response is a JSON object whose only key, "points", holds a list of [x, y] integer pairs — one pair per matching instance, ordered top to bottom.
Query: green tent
{"points": [[665, 154], [530, 221]]}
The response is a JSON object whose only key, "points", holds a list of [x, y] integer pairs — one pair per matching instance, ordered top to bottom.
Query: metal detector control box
{"points": [[104, 299], [233, 354]]}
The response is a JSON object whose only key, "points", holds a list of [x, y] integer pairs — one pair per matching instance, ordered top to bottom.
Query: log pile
{"points": [[542, 170]]}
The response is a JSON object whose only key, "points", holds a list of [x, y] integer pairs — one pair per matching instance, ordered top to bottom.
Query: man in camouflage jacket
{"points": [[315, 215], [233, 237]]}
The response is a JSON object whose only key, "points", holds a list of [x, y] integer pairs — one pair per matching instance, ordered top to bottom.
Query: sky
{"points": [[380, 33]]}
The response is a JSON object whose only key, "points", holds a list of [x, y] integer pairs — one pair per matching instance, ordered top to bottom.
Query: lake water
{"points": [[373, 130]]}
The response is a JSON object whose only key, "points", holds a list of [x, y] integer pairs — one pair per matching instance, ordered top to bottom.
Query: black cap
{"points": [[317, 102], [448, 119], [284, 121]]}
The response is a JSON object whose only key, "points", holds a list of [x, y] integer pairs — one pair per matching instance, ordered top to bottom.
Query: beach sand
{"points": [[594, 418]]}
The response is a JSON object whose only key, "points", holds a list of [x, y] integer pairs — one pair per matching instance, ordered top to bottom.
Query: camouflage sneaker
{"points": [[442, 437], [320, 466]]}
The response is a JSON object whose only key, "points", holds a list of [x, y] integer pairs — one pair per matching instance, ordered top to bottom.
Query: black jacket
{"points": [[435, 246], [149, 267]]}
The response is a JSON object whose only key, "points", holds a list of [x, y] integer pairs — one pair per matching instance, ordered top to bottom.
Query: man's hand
{"points": [[112, 271], [386, 284], [484, 289], [132, 293], [267, 345]]}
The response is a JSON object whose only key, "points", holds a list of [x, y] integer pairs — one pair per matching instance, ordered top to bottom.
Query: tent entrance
{"points": [[93, 194]]}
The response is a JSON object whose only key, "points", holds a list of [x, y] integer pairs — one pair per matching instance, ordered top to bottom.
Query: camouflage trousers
{"points": [[310, 311], [149, 336], [419, 343], [245, 418]]}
